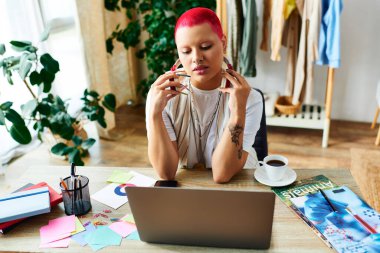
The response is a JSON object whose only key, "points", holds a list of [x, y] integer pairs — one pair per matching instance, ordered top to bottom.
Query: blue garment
{"points": [[329, 36]]}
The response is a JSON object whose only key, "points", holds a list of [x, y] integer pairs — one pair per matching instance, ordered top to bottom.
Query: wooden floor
{"points": [[301, 146]]}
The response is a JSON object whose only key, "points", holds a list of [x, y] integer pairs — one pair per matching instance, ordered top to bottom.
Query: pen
{"points": [[72, 175], [80, 187], [328, 201], [361, 221]]}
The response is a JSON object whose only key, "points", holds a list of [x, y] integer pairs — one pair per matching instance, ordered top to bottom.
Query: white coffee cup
{"points": [[275, 166]]}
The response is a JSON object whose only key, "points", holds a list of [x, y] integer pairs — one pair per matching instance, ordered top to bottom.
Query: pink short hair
{"points": [[198, 16]]}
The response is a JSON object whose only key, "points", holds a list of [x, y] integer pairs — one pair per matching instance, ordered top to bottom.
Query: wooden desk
{"points": [[289, 233]]}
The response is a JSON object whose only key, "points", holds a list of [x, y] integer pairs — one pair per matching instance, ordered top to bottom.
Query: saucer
{"points": [[288, 178]]}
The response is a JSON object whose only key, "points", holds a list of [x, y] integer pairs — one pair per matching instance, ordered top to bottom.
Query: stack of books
{"points": [[29, 200], [337, 215]]}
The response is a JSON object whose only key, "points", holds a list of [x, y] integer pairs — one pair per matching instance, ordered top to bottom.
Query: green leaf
{"points": [[111, 5], [144, 7], [129, 14], [20, 45], [109, 45], [2, 49], [31, 49], [49, 63], [24, 69], [9, 77], [35, 78], [47, 79], [47, 87], [93, 94], [109, 102], [5, 106], [28, 108], [44, 109], [93, 116], [14, 117], [2, 118], [102, 123], [20, 133], [66, 133], [77, 140], [88, 143], [58, 148], [67, 150], [74, 155]]}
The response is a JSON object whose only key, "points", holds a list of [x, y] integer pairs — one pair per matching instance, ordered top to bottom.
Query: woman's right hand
{"points": [[160, 95]]}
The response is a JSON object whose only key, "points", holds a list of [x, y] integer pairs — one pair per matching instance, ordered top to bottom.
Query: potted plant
{"points": [[45, 111]]}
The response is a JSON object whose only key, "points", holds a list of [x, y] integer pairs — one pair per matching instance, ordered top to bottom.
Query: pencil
{"points": [[65, 186], [328, 201]]}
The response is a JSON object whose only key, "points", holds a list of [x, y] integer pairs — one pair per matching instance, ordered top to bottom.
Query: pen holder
{"points": [[76, 195]]}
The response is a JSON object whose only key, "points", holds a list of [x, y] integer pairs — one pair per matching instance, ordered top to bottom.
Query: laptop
{"points": [[203, 217]]}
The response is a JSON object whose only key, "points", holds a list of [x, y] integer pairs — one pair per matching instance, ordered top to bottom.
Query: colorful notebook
{"points": [[55, 199], [24, 204], [354, 227]]}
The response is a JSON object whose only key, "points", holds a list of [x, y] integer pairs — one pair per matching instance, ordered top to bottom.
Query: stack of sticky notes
{"points": [[24, 204], [58, 232]]}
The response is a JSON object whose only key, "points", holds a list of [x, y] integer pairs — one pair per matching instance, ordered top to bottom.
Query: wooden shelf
{"points": [[310, 116]]}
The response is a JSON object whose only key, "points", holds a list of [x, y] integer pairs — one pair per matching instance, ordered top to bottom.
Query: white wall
{"points": [[355, 81]]}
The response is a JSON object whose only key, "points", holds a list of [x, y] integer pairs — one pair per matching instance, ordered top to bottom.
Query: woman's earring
{"points": [[176, 64]]}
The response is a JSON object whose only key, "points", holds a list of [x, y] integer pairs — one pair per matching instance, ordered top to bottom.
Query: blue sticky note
{"points": [[103, 236], [134, 236], [80, 237], [96, 247]]}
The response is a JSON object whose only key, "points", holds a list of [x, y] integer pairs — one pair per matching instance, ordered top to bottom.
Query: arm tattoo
{"points": [[235, 133]]}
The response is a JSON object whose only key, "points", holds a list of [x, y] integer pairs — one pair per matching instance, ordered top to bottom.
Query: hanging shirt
{"points": [[266, 18], [278, 21], [235, 30], [329, 36], [308, 51], [247, 58]]}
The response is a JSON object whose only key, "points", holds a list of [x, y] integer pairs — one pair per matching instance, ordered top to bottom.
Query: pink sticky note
{"points": [[123, 228], [57, 229], [64, 243]]}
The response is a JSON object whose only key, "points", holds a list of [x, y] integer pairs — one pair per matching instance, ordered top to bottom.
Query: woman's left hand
{"points": [[239, 92]]}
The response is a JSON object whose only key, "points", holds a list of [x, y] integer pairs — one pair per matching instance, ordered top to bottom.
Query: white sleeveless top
{"points": [[180, 122]]}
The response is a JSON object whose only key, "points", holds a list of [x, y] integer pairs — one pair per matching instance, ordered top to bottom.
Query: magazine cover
{"points": [[302, 188], [353, 227]]}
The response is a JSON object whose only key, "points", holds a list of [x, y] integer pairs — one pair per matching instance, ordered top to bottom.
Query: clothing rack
{"points": [[310, 116]]}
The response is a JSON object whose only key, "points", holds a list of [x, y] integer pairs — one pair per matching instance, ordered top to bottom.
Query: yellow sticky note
{"points": [[119, 177], [128, 218], [78, 227]]}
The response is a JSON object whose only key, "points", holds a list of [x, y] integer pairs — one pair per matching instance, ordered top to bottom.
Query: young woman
{"points": [[210, 117]]}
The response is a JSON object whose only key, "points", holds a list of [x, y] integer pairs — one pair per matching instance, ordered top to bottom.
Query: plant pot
{"points": [[52, 139]]}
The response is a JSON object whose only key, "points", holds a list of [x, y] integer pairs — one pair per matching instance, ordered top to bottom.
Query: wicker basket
{"points": [[284, 105]]}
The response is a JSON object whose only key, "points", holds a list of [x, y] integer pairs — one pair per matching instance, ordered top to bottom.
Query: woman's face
{"points": [[201, 53]]}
